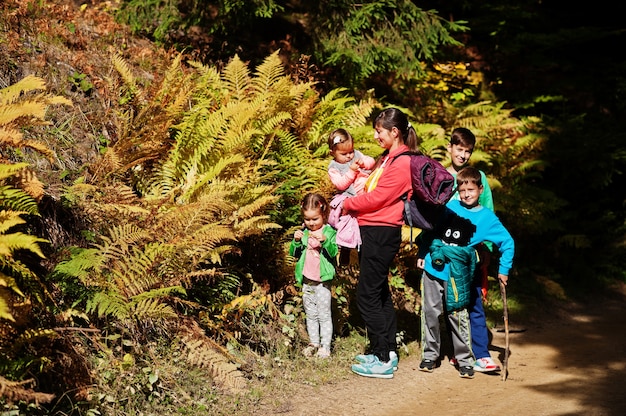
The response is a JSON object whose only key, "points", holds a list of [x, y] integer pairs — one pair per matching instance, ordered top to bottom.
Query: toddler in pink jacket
{"points": [[348, 171]]}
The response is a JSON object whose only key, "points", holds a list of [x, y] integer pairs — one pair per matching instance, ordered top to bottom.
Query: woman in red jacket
{"points": [[379, 213]]}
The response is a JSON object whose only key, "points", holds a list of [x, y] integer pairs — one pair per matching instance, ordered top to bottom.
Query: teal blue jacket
{"points": [[328, 254], [462, 262]]}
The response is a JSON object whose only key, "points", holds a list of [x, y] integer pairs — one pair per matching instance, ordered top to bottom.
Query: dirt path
{"points": [[574, 363]]}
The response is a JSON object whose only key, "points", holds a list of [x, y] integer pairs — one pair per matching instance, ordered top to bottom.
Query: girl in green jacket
{"points": [[316, 250]]}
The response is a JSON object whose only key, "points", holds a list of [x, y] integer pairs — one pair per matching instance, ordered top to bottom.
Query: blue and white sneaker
{"points": [[369, 358], [375, 368]]}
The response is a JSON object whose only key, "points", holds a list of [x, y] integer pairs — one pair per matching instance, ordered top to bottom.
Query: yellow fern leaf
{"points": [[125, 72], [236, 77], [11, 93], [10, 113], [29, 183], [5, 310]]}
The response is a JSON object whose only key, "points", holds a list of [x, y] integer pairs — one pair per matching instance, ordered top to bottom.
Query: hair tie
{"points": [[409, 126], [337, 139]]}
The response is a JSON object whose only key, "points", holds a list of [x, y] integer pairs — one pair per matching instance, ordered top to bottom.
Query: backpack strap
{"points": [[405, 197], [407, 216]]}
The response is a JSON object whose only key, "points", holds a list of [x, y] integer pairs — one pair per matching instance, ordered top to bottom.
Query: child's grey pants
{"points": [[433, 298], [317, 306]]}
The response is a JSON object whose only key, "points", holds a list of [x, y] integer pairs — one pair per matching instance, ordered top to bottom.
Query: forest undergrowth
{"points": [[154, 278]]}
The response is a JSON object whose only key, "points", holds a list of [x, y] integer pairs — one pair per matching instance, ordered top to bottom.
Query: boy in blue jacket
{"points": [[460, 149], [449, 263]]}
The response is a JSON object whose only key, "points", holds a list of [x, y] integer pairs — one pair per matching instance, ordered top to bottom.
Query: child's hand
{"points": [[355, 166], [298, 235], [318, 235], [420, 263], [503, 278]]}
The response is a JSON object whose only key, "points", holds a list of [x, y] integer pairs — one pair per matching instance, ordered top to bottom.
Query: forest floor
{"points": [[572, 363]]}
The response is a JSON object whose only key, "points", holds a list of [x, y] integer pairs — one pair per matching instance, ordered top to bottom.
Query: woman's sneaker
{"points": [[369, 358], [486, 365], [376, 369]]}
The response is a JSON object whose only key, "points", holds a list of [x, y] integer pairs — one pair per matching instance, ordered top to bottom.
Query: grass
{"points": [[161, 382]]}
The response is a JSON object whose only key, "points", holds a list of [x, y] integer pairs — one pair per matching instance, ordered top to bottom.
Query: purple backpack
{"points": [[433, 186]]}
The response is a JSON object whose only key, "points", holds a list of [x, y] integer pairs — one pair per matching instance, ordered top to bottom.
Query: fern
{"points": [[236, 78]]}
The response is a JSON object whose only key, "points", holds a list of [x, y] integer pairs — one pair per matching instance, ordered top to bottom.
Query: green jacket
{"points": [[328, 257]]}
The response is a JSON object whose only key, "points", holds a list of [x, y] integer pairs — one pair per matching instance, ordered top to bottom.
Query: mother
{"points": [[379, 213]]}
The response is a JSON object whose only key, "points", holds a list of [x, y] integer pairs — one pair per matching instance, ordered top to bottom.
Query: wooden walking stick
{"points": [[506, 331]]}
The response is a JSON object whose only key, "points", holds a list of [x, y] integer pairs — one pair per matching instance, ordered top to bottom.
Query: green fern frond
{"points": [[332, 111], [360, 113], [290, 146], [18, 201], [81, 265], [159, 293], [108, 304], [152, 309]]}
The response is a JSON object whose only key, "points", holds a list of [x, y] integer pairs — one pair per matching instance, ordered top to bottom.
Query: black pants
{"points": [[379, 246]]}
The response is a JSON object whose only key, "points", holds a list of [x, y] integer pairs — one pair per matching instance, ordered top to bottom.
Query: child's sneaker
{"points": [[309, 350], [323, 352], [368, 358], [453, 362], [427, 365], [485, 365], [376, 369], [466, 371]]}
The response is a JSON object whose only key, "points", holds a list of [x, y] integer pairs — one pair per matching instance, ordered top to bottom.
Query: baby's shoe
{"points": [[309, 350], [323, 352]]}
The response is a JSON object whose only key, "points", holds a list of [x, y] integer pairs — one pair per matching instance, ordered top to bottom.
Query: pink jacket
{"points": [[347, 226]]}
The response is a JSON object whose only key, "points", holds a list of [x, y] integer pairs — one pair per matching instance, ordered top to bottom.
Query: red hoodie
{"points": [[382, 205]]}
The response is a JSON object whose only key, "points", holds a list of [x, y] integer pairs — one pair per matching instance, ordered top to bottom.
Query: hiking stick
{"points": [[506, 331]]}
